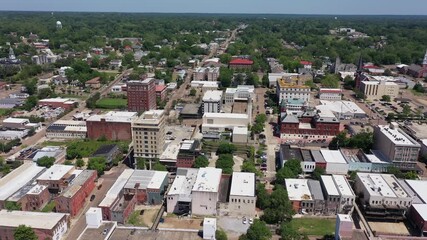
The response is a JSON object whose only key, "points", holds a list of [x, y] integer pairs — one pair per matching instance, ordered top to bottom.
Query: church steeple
{"points": [[11, 54], [425, 60], [360, 64]]}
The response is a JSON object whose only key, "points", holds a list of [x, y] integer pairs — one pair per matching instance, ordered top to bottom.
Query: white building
{"points": [[206, 74], [205, 85], [290, 89], [376, 89], [241, 93], [332, 94], [212, 102], [341, 109], [219, 122], [65, 129], [148, 134], [240, 135], [397, 146], [335, 162], [205, 191], [381, 191], [242, 194], [339, 196], [179, 197], [93, 217], [343, 227], [209, 228]]}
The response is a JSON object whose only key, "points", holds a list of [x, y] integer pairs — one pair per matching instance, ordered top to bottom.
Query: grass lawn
{"points": [[112, 103], [4, 111], [53, 143], [87, 147], [49, 207], [136, 219], [314, 226]]}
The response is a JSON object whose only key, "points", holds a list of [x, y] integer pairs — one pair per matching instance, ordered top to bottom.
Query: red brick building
{"points": [[240, 63], [161, 92], [141, 95], [65, 103], [112, 125], [188, 152], [56, 178], [73, 198], [35, 199]]}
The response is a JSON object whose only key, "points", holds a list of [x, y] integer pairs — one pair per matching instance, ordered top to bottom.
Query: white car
{"points": [[251, 220], [244, 221]]}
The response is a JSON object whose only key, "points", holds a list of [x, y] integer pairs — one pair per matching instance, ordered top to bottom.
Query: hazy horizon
{"points": [[302, 7]]}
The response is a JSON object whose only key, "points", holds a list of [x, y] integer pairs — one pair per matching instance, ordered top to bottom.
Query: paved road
{"points": [[78, 224]]}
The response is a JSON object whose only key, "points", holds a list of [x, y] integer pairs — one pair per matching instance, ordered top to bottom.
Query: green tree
{"points": [[225, 58], [225, 76], [265, 80], [330, 81], [349, 83], [31, 86], [418, 87], [193, 92], [386, 98], [30, 103], [406, 109], [226, 148], [46, 161], [68, 162], [201, 162], [80, 163], [97, 163], [141, 163], [226, 163], [249, 166], [159, 167], [318, 172], [284, 173], [411, 175], [263, 198], [12, 206], [280, 209], [257, 231], [23, 232], [288, 232], [220, 235]]}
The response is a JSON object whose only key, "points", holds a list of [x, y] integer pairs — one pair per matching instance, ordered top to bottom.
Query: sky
{"points": [[335, 7]]}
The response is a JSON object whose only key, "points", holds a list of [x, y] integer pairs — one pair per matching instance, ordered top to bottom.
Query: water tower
{"points": [[58, 25]]}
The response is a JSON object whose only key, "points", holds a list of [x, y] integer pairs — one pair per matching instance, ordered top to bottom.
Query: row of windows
{"points": [[237, 200]]}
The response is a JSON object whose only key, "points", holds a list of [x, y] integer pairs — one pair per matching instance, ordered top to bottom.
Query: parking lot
{"points": [[233, 226]]}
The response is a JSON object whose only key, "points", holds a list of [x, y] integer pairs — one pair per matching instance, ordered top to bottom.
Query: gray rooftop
{"points": [[316, 190]]}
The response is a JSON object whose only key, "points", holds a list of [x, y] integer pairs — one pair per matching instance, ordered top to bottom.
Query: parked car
{"points": [[251, 220], [244, 221]]}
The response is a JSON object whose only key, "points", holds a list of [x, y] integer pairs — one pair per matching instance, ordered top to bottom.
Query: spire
{"points": [[11, 54], [425, 59], [360, 64]]}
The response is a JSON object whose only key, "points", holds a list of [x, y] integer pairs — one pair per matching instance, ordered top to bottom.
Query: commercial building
{"points": [[240, 63], [206, 74], [94, 83], [205, 85], [292, 87], [376, 89], [161, 92], [240, 93], [331, 94], [141, 95], [212, 101], [64, 103], [293, 106], [341, 109], [19, 123], [214, 123], [112, 125], [65, 129], [148, 134], [240, 135], [398, 147], [49, 151], [286, 153], [187, 154], [335, 162], [20, 177], [57, 177], [149, 187], [205, 191], [242, 194], [300, 195], [179, 196], [339, 196], [382, 196], [73, 198], [116, 206], [418, 217], [45, 225], [343, 227], [209, 228]]}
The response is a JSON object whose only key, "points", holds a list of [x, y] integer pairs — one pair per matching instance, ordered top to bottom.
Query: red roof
{"points": [[241, 61], [306, 63], [370, 67], [93, 81], [160, 88]]}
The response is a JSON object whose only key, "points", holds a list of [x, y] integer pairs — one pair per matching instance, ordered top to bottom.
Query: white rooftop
{"points": [[212, 95], [57, 100], [340, 107], [225, 115], [125, 117], [16, 120], [70, 122], [75, 129], [240, 130], [397, 136], [170, 153], [333, 156], [56, 172], [18, 178], [146, 179], [207, 180], [183, 184], [243, 184], [329, 184], [382, 185], [343, 186], [419, 187], [298, 189], [114, 191], [421, 209], [345, 218], [35, 220]]}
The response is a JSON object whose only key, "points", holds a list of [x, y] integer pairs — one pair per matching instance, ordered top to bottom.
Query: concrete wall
{"points": [[204, 203], [242, 205]]}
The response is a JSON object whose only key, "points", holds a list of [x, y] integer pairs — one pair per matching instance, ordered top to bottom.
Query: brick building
{"points": [[240, 63], [161, 92], [141, 95], [65, 103], [112, 125], [187, 154], [57, 177], [31, 197], [73, 198]]}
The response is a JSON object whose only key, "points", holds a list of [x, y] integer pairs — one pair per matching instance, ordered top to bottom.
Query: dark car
{"points": [[92, 197]]}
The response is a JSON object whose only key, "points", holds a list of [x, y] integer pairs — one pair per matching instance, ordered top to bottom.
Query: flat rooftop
{"points": [[212, 96], [226, 115], [122, 117], [16, 120], [397, 136], [170, 154], [333, 156], [56, 172], [18, 178], [146, 179], [207, 180], [183, 183], [243, 184], [329, 184], [382, 185], [343, 186], [419, 187], [298, 189], [114, 191], [421, 209], [35, 220], [97, 233], [120, 234]]}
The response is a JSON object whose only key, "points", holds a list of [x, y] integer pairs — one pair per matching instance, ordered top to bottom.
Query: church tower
{"points": [[11, 54], [425, 61]]}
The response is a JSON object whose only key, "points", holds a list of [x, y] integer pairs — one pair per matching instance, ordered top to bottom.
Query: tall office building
{"points": [[141, 95], [148, 134]]}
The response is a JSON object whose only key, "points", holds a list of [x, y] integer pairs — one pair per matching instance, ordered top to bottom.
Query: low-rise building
{"points": [[240, 63], [94, 83], [205, 85], [376, 89], [161, 92], [240, 93], [331, 94], [212, 102], [64, 103], [342, 109], [215, 123], [112, 125], [65, 129], [49, 151], [108, 151], [187, 154], [335, 162], [57, 177], [148, 186], [205, 191], [338, 193], [242, 194], [299, 195], [179, 196], [382, 196], [31, 197], [73, 198], [45, 225], [209, 228]]}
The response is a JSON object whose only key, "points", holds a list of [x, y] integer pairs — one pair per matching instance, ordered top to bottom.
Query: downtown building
{"points": [[141, 95], [148, 134]]}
